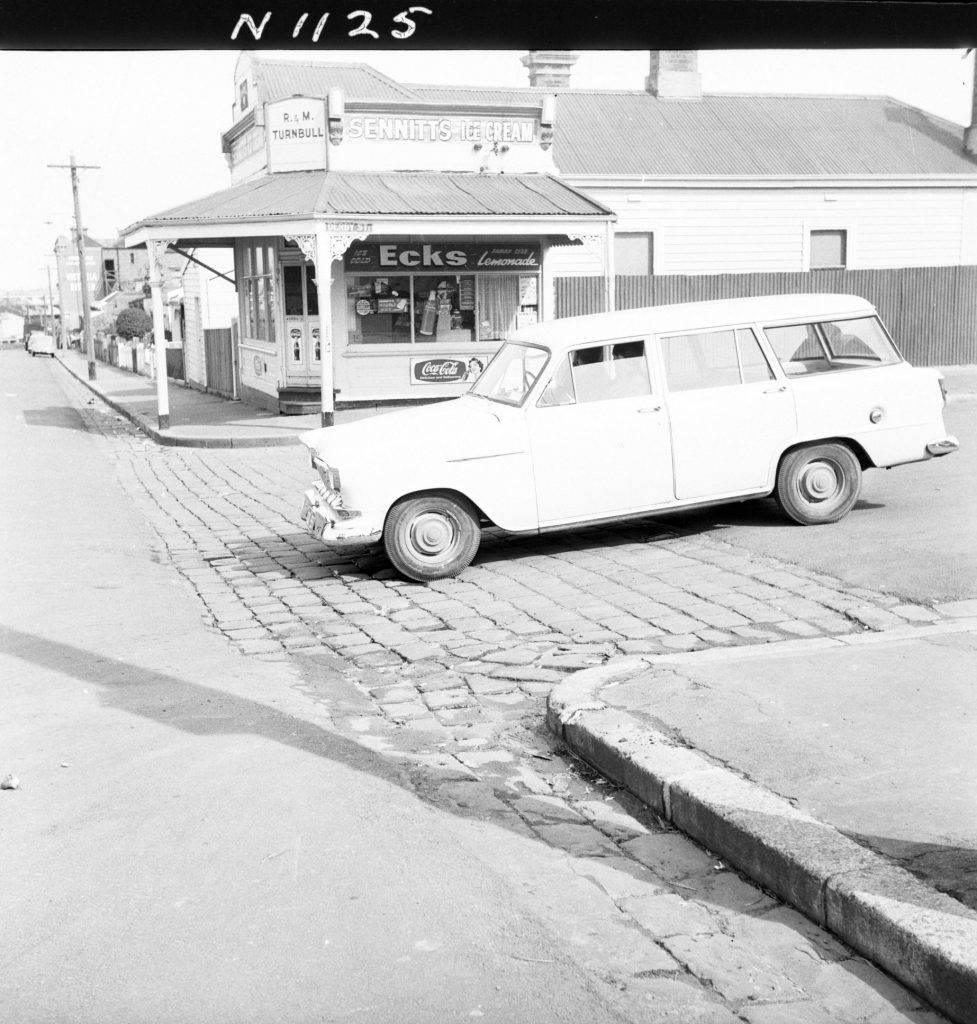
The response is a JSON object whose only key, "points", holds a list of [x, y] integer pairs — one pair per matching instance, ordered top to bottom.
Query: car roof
{"points": [[691, 316]]}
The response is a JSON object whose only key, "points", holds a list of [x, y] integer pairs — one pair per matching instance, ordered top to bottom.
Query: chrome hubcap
{"points": [[819, 481], [431, 533]]}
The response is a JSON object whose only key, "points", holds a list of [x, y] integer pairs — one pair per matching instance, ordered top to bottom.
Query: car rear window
{"points": [[828, 345]]}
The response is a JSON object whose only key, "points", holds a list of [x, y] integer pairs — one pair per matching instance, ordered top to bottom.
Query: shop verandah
{"points": [[431, 266]]}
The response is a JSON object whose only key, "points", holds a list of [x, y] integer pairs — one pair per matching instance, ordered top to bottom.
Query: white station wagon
{"points": [[622, 415]]}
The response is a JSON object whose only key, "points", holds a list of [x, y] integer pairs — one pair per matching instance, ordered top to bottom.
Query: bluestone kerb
{"points": [[920, 936]]}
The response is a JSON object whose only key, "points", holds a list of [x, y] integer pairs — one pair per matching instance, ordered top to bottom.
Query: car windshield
{"points": [[509, 377]]}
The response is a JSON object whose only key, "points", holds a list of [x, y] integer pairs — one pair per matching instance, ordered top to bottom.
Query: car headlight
{"points": [[329, 474]]}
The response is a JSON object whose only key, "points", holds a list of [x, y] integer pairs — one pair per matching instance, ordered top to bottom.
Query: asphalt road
{"points": [[913, 532]]}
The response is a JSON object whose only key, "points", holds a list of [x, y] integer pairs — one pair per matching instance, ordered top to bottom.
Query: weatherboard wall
{"points": [[728, 230]]}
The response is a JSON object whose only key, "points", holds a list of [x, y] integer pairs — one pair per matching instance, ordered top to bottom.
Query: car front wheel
{"points": [[818, 484], [431, 536]]}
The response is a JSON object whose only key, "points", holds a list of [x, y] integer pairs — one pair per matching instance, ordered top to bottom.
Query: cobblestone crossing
{"points": [[451, 679]]}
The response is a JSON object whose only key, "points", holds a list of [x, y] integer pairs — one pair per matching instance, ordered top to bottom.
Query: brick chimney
{"points": [[550, 69], [674, 75]]}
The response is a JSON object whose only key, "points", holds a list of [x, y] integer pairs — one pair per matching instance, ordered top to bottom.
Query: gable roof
{"points": [[633, 133]]}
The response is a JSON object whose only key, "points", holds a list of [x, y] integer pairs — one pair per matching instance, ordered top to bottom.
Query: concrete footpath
{"points": [[197, 419], [839, 773]]}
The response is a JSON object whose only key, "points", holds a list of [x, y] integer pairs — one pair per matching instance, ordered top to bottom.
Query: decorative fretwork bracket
{"points": [[342, 234], [339, 238], [306, 243], [593, 243], [156, 249]]}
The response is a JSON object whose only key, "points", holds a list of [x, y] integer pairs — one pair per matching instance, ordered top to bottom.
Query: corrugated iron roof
{"points": [[281, 79], [616, 132], [638, 134], [299, 194]]}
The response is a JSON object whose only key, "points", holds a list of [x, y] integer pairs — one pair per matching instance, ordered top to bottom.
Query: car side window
{"points": [[861, 340], [798, 347], [696, 361], [753, 363], [598, 373]]}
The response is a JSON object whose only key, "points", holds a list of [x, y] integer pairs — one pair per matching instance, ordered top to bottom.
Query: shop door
{"points": [[303, 346]]}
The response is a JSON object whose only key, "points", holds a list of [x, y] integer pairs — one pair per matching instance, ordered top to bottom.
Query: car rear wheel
{"points": [[818, 484], [431, 536]]}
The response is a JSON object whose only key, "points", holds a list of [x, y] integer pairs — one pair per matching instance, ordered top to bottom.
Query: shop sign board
{"points": [[484, 130], [296, 132], [463, 258], [71, 271], [73, 278], [452, 369]]}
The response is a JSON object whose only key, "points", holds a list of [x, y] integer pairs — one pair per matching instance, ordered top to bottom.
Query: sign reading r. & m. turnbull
{"points": [[296, 132]]}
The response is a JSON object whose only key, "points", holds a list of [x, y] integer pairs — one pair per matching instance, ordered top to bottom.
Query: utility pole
{"points": [[80, 239], [50, 292], [50, 301]]}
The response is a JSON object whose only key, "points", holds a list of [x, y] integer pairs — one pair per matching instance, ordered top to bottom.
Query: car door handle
{"points": [[775, 391], [650, 408]]}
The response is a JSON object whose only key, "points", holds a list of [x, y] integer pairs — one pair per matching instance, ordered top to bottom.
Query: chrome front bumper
{"points": [[944, 446], [327, 519]]}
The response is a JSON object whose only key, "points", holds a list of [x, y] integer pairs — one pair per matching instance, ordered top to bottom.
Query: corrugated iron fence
{"points": [[930, 311]]}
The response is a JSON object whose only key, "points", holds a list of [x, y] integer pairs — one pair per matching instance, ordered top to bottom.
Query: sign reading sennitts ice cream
{"points": [[379, 128]]}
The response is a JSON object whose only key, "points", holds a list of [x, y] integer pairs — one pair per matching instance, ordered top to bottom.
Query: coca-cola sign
{"points": [[447, 370]]}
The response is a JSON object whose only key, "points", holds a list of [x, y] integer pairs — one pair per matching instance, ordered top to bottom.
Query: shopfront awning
{"points": [[297, 196]]}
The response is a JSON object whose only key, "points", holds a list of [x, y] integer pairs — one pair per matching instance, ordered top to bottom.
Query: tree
{"points": [[104, 323], [133, 323]]}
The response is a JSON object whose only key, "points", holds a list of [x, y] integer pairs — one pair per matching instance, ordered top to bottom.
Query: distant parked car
{"points": [[39, 343], [623, 415]]}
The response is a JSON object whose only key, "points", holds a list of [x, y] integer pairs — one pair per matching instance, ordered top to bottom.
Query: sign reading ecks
{"points": [[371, 257]]}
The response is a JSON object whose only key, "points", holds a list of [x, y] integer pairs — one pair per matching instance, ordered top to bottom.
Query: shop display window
{"points": [[257, 261], [498, 306], [427, 309], [379, 310]]}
